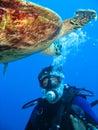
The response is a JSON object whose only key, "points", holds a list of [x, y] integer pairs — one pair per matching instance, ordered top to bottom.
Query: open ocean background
{"points": [[80, 66]]}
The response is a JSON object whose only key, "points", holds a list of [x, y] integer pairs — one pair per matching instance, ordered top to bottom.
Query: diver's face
{"points": [[52, 89]]}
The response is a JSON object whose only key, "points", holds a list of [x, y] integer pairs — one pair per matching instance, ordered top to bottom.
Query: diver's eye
{"points": [[45, 82]]}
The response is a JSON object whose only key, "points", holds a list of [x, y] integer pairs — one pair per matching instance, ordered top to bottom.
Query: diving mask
{"points": [[49, 77]]}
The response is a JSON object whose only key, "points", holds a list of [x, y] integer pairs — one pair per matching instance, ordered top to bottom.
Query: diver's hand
{"points": [[77, 123]]}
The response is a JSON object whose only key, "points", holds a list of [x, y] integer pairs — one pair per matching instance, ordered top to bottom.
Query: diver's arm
{"points": [[87, 108]]}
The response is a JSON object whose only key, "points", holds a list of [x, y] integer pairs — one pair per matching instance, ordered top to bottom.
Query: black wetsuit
{"points": [[44, 115]]}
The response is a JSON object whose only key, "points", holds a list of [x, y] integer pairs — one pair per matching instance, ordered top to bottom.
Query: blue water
{"points": [[80, 67]]}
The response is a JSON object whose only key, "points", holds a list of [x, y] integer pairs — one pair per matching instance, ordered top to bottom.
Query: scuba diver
{"points": [[62, 107]]}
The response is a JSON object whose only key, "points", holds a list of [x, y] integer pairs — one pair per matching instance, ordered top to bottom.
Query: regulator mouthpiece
{"points": [[51, 96]]}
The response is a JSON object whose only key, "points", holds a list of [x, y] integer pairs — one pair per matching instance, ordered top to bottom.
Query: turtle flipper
{"points": [[81, 18]]}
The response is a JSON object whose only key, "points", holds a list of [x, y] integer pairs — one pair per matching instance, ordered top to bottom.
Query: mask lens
{"points": [[50, 81]]}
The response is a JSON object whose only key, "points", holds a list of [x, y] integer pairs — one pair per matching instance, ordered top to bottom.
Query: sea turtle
{"points": [[27, 28]]}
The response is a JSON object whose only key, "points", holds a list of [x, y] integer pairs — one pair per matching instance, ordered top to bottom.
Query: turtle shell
{"points": [[25, 28]]}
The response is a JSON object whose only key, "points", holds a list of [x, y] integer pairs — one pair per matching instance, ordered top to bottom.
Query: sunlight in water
{"points": [[69, 43]]}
